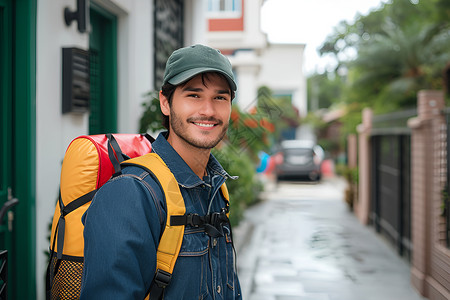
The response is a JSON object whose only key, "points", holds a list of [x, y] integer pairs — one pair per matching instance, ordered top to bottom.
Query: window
{"points": [[224, 5], [225, 15]]}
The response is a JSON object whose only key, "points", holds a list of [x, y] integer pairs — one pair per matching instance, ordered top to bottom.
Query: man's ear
{"points": [[164, 104]]}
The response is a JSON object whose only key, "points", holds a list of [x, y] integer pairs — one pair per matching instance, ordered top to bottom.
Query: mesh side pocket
{"points": [[66, 284]]}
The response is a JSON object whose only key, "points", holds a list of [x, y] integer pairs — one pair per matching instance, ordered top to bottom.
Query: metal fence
{"points": [[391, 181], [446, 193], [3, 274]]}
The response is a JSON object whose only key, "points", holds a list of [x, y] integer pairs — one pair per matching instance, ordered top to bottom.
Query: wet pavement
{"points": [[302, 243]]}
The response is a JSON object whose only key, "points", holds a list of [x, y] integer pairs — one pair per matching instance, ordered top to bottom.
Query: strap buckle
{"points": [[214, 219], [217, 219], [190, 220], [162, 278]]}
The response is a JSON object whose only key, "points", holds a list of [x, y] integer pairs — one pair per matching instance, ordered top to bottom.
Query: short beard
{"points": [[176, 125]]}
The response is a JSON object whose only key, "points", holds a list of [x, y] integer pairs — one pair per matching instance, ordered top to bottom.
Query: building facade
{"points": [[234, 28]]}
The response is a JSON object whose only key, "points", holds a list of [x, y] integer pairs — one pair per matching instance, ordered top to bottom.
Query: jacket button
{"points": [[218, 289]]}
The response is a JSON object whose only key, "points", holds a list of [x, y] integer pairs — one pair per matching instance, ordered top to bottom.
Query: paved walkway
{"points": [[302, 243]]}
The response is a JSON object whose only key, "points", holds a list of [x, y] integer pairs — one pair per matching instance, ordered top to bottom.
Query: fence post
{"points": [[430, 104], [352, 151], [362, 206]]}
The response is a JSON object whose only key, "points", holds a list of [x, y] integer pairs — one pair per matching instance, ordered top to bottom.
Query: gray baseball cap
{"points": [[185, 63]]}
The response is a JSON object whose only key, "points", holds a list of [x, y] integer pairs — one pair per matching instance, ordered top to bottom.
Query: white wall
{"points": [[195, 22], [252, 25], [135, 62], [246, 65], [278, 66], [282, 71], [53, 130]]}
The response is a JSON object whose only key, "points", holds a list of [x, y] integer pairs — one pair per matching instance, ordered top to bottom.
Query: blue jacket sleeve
{"points": [[121, 235]]}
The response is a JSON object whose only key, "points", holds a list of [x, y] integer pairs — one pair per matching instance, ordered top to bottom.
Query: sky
{"points": [[310, 22]]}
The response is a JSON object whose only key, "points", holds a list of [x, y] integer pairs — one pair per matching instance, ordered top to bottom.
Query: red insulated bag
{"points": [[88, 164]]}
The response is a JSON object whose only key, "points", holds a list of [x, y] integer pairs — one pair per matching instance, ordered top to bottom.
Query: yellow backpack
{"points": [[89, 162]]}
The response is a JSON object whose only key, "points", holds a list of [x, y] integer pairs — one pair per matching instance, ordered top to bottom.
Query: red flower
{"points": [[234, 115], [251, 123], [267, 125]]}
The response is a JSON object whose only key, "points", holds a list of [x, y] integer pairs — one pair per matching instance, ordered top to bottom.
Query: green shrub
{"points": [[151, 119], [351, 175], [245, 190]]}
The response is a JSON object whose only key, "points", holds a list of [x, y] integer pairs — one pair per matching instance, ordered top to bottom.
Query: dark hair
{"points": [[168, 89]]}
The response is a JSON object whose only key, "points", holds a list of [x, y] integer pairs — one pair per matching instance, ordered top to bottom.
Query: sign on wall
{"points": [[168, 34]]}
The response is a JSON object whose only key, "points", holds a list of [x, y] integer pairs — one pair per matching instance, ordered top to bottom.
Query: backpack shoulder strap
{"points": [[226, 195], [172, 237]]}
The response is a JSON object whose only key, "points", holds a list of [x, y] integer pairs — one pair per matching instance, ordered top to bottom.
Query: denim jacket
{"points": [[123, 226]]}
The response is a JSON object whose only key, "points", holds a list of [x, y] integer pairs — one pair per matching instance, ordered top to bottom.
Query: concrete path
{"points": [[302, 243]]}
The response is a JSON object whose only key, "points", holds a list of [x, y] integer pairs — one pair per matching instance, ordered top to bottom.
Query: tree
{"points": [[385, 57], [399, 60], [324, 90]]}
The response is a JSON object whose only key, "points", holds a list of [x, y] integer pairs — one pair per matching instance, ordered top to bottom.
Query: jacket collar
{"points": [[182, 172]]}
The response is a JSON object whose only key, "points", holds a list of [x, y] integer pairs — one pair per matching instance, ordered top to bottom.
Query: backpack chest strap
{"points": [[212, 223]]}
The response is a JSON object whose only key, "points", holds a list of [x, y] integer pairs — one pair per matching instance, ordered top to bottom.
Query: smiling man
{"points": [[198, 116], [127, 217]]}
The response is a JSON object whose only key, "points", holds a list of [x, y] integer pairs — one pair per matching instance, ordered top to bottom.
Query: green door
{"points": [[103, 75], [6, 131], [17, 146]]}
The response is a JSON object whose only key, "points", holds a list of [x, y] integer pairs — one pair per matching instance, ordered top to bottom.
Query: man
{"points": [[125, 221]]}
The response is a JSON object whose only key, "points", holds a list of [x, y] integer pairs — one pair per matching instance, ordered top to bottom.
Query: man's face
{"points": [[200, 111]]}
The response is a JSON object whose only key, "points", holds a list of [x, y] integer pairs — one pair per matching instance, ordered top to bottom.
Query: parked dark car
{"points": [[298, 159]]}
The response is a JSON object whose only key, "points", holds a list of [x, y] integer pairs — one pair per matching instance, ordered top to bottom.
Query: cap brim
{"points": [[186, 75]]}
